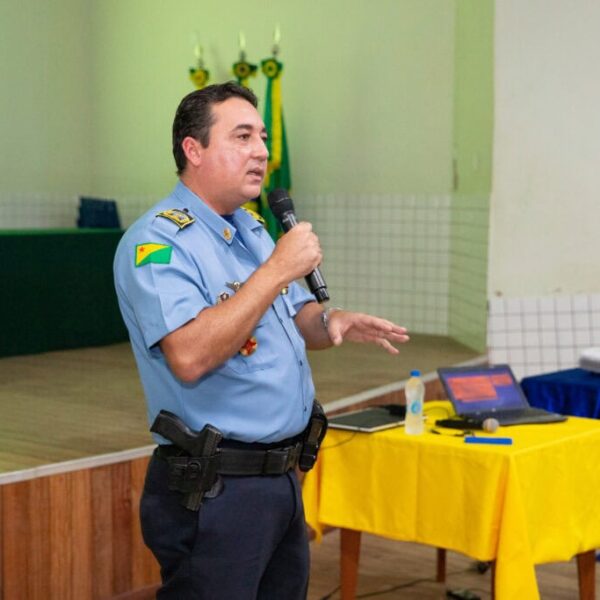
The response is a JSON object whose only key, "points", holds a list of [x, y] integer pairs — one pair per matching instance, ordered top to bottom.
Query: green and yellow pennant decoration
{"points": [[243, 70], [199, 76], [278, 167], [152, 253]]}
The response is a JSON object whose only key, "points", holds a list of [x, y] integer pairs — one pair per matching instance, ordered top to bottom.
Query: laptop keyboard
{"points": [[524, 415]]}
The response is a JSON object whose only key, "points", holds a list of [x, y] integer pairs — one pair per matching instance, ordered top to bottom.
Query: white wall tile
{"points": [[395, 246], [595, 302], [580, 303], [546, 304], [562, 304], [529, 305], [496, 306], [513, 306], [582, 320], [548, 321], [564, 321], [514, 322], [496, 323], [566, 337], [583, 337], [548, 338], [500, 339], [514, 339], [531, 339], [550, 355], [498, 356], [516, 356], [567, 357]]}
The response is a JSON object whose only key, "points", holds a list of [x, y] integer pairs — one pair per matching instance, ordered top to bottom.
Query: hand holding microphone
{"points": [[282, 207], [299, 243]]}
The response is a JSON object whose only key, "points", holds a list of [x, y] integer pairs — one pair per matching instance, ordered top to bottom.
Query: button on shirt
{"points": [[265, 396]]}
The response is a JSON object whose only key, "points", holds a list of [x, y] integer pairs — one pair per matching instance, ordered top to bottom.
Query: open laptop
{"points": [[480, 392]]}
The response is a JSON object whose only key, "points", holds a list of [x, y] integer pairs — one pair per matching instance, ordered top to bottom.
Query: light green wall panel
{"points": [[367, 87], [379, 99], [45, 104], [472, 140]]}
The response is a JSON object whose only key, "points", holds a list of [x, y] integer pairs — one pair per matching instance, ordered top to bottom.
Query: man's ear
{"points": [[193, 151]]}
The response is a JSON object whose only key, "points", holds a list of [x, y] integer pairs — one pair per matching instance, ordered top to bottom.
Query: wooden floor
{"points": [[73, 404], [390, 570], [399, 570]]}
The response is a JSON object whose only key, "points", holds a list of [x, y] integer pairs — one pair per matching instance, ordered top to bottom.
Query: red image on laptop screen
{"points": [[501, 380], [474, 388]]}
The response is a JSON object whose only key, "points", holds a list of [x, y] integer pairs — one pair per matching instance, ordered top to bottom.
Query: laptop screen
{"points": [[482, 389]]}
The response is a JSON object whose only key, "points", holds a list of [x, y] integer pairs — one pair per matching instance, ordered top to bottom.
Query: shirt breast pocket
{"points": [[259, 351]]}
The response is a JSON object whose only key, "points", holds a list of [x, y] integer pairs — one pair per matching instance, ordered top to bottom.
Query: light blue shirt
{"points": [[263, 397]]}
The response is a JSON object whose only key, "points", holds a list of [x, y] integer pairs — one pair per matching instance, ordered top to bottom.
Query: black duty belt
{"points": [[237, 461]]}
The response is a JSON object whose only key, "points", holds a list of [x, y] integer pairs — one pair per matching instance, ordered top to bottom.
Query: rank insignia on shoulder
{"points": [[255, 216], [180, 217], [152, 253], [249, 347]]}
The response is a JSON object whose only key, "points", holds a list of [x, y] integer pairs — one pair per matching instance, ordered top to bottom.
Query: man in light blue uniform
{"points": [[219, 330]]}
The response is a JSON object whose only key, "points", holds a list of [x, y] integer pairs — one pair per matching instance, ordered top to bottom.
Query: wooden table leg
{"points": [[349, 555], [586, 574], [440, 576]]}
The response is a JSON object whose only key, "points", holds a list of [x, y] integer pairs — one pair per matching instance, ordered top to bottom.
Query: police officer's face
{"points": [[234, 164]]}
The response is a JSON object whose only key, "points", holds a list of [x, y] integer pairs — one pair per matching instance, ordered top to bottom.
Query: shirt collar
{"points": [[221, 227]]}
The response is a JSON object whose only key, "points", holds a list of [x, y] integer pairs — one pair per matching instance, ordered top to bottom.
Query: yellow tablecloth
{"points": [[533, 502]]}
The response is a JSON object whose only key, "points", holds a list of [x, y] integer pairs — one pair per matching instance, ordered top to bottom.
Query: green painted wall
{"points": [[367, 88], [90, 89], [379, 98], [45, 102], [472, 160]]}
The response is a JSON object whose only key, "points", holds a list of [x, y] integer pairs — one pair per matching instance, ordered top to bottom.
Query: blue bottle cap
{"points": [[415, 373]]}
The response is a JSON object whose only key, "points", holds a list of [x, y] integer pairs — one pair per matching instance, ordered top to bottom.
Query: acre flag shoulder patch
{"points": [[152, 253]]}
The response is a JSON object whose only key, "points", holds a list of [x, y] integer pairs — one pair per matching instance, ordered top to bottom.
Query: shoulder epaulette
{"points": [[255, 216], [181, 218]]}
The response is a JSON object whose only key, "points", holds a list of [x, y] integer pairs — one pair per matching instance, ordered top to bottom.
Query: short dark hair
{"points": [[194, 116]]}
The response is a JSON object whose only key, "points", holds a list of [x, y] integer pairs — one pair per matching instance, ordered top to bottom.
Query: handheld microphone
{"points": [[282, 207], [490, 424]]}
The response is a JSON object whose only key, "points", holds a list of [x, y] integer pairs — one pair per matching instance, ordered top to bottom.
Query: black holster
{"points": [[313, 436], [195, 474], [194, 477]]}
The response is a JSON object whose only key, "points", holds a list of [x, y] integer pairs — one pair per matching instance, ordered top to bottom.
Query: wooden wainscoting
{"points": [[75, 535]]}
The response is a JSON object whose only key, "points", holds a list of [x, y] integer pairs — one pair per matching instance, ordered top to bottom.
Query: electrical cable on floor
{"points": [[408, 584], [331, 593]]}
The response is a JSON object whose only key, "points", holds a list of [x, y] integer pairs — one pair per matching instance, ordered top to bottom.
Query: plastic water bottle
{"points": [[415, 395]]}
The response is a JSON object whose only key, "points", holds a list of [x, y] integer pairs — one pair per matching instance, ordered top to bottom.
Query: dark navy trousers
{"points": [[247, 543]]}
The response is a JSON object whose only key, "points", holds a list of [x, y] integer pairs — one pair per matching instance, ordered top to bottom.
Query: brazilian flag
{"points": [[278, 168]]}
